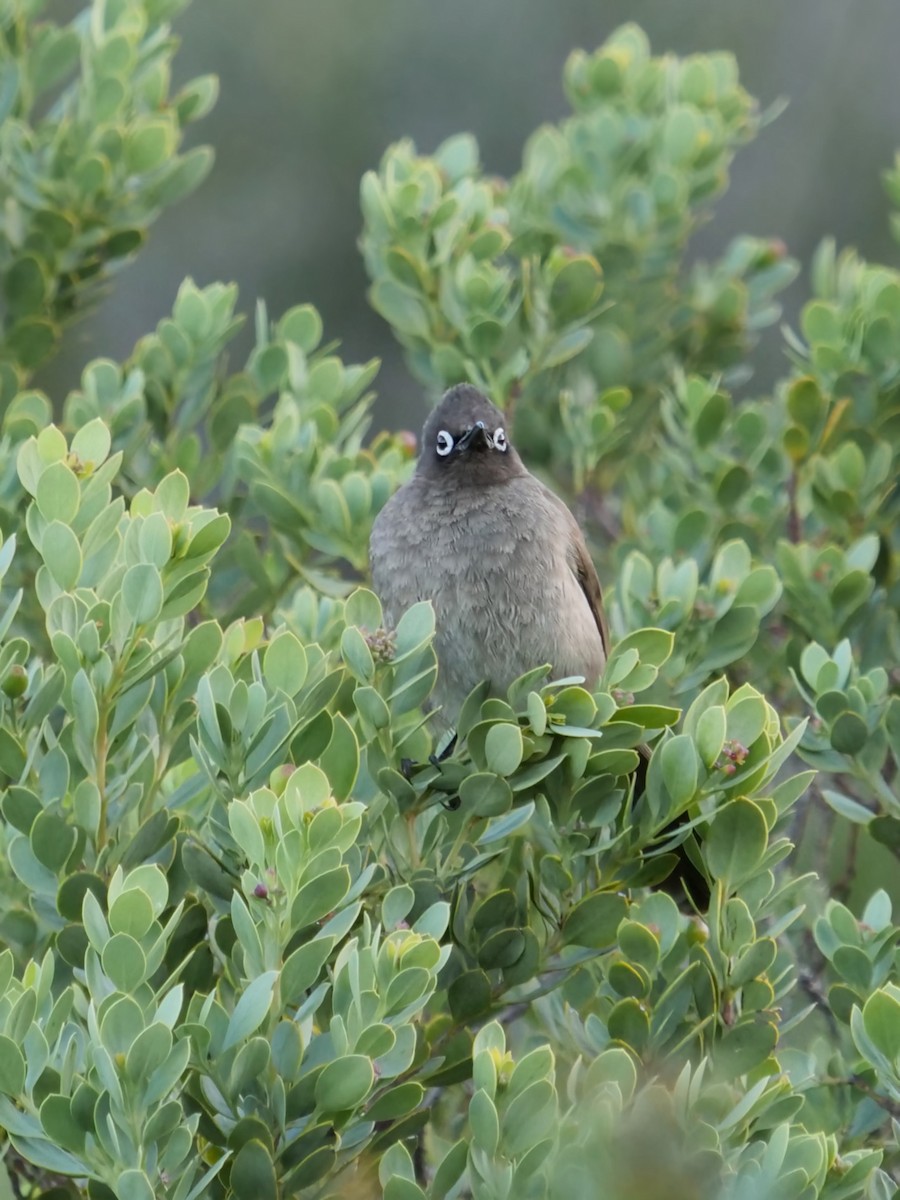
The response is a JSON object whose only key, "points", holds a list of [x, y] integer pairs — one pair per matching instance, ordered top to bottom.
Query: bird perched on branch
{"points": [[499, 555]]}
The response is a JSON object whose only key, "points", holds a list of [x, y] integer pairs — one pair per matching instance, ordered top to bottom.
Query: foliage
{"points": [[255, 942]]}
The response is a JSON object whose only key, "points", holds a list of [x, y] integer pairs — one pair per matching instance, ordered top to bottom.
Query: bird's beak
{"points": [[476, 436]]}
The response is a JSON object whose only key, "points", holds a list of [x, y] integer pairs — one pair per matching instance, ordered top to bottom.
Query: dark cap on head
{"points": [[465, 440]]}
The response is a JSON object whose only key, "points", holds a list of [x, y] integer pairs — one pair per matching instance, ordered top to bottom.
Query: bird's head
{"points": [[465, 441]]}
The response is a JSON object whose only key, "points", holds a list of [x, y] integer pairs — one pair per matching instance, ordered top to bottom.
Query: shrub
{"points": [[245, 952]]}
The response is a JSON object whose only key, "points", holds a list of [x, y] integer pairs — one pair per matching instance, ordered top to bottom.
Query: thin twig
{"points": [[794, 524]]}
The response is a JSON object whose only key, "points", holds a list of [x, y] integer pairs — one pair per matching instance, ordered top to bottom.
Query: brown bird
{"points": [[499, 555]]}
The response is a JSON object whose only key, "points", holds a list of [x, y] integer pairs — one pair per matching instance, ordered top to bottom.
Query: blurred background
{"points": [[313, 92]]}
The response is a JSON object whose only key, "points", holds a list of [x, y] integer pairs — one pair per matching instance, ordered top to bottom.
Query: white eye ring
{"points": [[499, 440], [444, 443]]}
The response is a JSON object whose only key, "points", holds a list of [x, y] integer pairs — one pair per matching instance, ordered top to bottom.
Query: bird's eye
{"points": [[499, 440], [444, 443]]}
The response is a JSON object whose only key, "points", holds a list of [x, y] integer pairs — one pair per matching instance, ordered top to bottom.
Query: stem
{"points": [[794, 523], [101, 751], [881, 788], [464, 829], [414, 857], [855, 1081]]}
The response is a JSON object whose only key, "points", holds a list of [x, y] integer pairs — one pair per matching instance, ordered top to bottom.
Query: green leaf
{"points": [[54, 56], [197, 99], [149, 144], [457, 156], [184, 175], [25, 285], [576, 288], [400, 306], [820, 323], [301, 325], [31, 340], [566, 347], [269, 366], [805, 402], [58, 493], [173, 494], [209, 538], [156, 540], [62, 554], [142, 593], [363, 609], [415, 627], [653, 646], [357, 655], [284, 663], [649, 716], [747, 719], [849, 733], [710, 735], [503, 749], [340, 759], [12, 763], [679, 766], [485, 795], [850, 810], [502, 827], [886, 830], [52, 840], [736, 842], [319, 897], [396, 905], [593, 921], [124, 962], [753, 962], [302, 968], [469, 995], [251, 1009], [881, 1019], [628, 1022], [121, 1023], [745, 1046], [149, 1051], [12, 1068], [345, 1083], [396, 1103], [484, 1124], [450, 1170], [253, 1173], [135, 1184]]}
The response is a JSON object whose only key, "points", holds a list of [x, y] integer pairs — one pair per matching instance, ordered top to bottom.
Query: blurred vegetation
{"points": [[245, 952]]}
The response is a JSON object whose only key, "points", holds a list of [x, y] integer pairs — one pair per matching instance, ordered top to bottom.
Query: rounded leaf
{"points": [[91, 444], [58, 493], [62, 554], [142, 593], [849, 733], [503, 749], [678, 762], [736, 842], [593, 922], [124, 962], [881, 1019], [628, 1022], [12, 1067], [344, 1083], [253, 1173]]}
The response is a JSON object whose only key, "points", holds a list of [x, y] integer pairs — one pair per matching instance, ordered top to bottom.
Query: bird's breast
{"points": [[496, 569]]}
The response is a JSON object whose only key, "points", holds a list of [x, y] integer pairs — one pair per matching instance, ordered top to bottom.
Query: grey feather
{"points": [[501, 558]]}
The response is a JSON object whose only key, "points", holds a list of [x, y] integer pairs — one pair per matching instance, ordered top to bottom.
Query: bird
{"points": [[499, 555]]}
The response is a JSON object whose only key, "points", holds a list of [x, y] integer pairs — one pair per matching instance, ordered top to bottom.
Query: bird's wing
{"points": [[582, 567], [584, 571], [586, 574]]}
